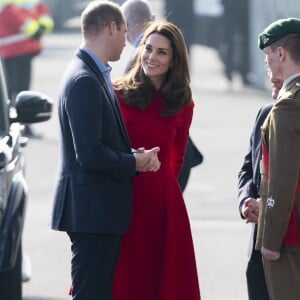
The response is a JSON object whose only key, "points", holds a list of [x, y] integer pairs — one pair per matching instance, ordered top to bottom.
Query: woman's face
{"points": [[157, 58]]}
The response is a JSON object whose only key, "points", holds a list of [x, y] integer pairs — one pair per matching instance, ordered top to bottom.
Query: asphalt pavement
{"points": [[223, 118]]}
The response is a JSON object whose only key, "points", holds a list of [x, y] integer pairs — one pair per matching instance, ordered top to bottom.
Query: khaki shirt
{"points": [[281, 135]]}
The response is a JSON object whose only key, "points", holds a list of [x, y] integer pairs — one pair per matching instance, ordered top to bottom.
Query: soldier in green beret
{"points": [[278, 225]]}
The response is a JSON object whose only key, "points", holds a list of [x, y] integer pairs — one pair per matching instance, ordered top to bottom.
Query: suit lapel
{"points": [[112, 101], [115, 106]]}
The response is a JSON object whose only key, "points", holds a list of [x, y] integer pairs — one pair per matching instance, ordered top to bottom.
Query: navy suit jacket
{"points": [[249, 175], [94, 187]]}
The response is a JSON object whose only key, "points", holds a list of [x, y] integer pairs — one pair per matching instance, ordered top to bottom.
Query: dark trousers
{"points": [[18, 74], [94, 259], [256, 282], [257, 288]]}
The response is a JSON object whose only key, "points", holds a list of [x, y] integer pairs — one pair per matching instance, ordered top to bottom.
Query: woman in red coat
{"points": [[157, 260]]}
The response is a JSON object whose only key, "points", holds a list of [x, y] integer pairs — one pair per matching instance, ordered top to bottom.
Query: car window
{"points": [[3, 104]]}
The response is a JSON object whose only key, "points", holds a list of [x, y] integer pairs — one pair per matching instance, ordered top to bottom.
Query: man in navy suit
{"points": [[249, 183], [93, 194]]}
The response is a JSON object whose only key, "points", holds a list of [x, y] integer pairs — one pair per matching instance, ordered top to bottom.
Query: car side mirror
{"points": [[32, 107]]}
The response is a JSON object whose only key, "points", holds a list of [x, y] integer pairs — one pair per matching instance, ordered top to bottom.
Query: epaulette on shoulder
{"points": [[292, 91]]}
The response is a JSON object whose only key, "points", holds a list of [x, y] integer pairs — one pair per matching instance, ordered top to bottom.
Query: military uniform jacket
{"points": [[281, 136]]}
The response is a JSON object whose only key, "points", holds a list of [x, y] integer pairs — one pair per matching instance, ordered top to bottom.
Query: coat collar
{"points": [[289, 88]]}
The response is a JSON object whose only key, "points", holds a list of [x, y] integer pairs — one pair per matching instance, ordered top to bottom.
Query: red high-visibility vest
{"points": [[13, 21]]}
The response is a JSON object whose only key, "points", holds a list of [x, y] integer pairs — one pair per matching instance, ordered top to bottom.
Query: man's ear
{"points": [[112, 27], [281, 53]]}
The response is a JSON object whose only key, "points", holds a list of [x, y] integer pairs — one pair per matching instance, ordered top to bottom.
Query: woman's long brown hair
{"points": [[137, 89]]}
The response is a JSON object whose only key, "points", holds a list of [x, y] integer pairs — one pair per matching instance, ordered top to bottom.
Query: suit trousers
{"points": [[94, 260], [283, 275], [256, 283]]}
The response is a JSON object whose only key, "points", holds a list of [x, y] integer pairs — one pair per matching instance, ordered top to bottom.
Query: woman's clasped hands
{"points": [[147, 160]]}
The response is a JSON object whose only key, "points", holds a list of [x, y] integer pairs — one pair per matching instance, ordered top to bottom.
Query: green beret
{"points": [[277, 30]]}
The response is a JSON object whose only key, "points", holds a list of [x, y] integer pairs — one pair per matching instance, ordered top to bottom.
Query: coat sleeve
{"points": [[183, 123], [284, 165], [249, 175], [246, 187]]}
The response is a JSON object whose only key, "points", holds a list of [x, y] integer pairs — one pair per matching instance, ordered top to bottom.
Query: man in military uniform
{"points": [[248, 195], [278, 226]]}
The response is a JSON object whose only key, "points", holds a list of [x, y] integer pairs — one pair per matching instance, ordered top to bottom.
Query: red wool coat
{"points": [[157, 258]]}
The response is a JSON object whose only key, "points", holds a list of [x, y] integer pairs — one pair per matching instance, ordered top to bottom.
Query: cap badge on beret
{"points": [[264, 39]]}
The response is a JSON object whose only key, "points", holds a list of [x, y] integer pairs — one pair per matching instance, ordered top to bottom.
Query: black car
{"points": [[29, 107]]}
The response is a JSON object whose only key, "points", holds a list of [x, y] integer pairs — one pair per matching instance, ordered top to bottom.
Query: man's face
{"points": [[130, 35], [118, 43], [273, 62], [276, 86]]}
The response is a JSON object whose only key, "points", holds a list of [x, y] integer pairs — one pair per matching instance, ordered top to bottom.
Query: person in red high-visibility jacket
{"points": [[22, 24]]}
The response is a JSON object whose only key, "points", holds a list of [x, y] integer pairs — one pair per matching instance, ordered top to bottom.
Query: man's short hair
{"points": [[98, 14], [291, 43]]}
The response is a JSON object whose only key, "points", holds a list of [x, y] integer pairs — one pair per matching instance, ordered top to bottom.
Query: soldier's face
{"points": [[273, 61], [276, 86]]}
